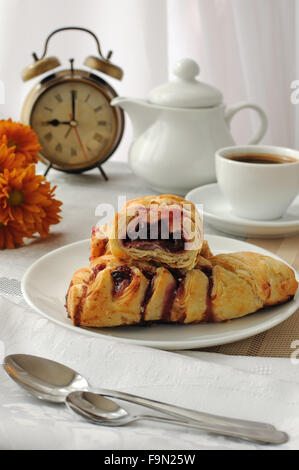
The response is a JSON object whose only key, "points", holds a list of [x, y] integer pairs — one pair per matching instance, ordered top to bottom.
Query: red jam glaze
{"points": [[96, 270], [122, 278], [79, 308], [209, 313]]}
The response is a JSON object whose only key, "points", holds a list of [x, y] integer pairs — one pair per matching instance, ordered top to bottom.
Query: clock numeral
{"points": [[58, 98], [87, 98], [48, 109], [96, 110], [102, 123], [48, 137], [98, 137], [58, 148], [73, 152]]}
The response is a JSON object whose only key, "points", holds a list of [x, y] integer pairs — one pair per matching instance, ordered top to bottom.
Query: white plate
{"points": [[217, 212], [45, 284]]}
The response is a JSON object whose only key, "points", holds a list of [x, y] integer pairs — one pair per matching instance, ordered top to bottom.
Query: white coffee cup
{"points": [[260, 191]]}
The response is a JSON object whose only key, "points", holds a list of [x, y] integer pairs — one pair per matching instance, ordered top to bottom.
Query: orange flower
{"points": [[22, 139], [7, 156], [28, 199], [52, 209], [12, 235]]}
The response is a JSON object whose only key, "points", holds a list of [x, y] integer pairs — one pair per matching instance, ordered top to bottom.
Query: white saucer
{"points": [[217, 212]]}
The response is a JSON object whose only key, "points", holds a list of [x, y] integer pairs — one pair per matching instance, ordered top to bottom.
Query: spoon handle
{"points": [[185, 413], [266, 436]]}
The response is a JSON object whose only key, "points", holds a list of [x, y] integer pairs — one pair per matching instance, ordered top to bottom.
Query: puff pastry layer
{"points": [[163, 229], [100, 245], [114, 292]]}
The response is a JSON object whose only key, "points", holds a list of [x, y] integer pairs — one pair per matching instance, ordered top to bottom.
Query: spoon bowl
{"points": [[44, 379], [97, 409]]}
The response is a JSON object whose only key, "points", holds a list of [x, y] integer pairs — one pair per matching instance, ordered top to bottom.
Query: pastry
{"points": [[163, 229], [99, 241], [100, 245], [153, 265], [114, 292], [108, 293]]}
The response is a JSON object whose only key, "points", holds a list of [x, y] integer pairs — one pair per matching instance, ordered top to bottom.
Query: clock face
{"points": [[75, 124]]}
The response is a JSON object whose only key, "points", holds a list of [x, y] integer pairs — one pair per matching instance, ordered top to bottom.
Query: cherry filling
{"points": [[141, 236], [96, 270], [122, 278], [175, 288], [149, 290], [79, 308], [209, 313]]}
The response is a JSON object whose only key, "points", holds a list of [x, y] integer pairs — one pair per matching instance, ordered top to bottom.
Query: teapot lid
{"points": [[185, 91]]}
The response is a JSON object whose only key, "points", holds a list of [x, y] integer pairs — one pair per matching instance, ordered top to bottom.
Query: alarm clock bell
{"points": [[45, 64], [104, 66], [39, 67]]}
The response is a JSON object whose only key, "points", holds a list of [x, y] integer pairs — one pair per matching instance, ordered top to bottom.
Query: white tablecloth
{"points": [[246, 387]]}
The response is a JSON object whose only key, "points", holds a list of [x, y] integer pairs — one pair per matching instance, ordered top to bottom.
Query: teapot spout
{"points": [[142, 114]]}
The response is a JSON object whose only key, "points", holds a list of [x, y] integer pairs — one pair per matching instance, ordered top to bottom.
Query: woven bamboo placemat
{"points": [[277, 341]]}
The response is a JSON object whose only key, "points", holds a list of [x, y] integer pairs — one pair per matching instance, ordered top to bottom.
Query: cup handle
{"points": [[234, 108]]}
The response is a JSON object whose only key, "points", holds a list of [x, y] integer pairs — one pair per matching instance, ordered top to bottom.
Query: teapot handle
{"points": [[234, 108]]}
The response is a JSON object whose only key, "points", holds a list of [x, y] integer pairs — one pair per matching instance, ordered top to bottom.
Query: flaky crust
{"points": [[139, 231], [99, 241], [100, 246], [245, 282], [114, 292]]}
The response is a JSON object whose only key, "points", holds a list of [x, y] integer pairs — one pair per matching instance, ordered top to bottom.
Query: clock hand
{"points": [[73, 92], [56, 122], [67, 132], [79, 139]]}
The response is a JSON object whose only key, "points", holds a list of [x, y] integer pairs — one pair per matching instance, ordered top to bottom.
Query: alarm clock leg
{"points": [[48, 169], [103, 173]]}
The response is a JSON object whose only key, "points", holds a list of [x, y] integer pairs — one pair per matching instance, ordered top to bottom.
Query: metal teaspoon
{"points": [[52, 381], [105, 412]]}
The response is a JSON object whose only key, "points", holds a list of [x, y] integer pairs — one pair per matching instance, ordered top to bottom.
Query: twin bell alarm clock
{"points": [[70, 110]]}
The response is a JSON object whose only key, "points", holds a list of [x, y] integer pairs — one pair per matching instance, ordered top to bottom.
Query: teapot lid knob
{"points": [[186, 69], [185, 91]]}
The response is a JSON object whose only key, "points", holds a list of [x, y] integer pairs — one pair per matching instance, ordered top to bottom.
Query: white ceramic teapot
{"points": [[178, 130]]}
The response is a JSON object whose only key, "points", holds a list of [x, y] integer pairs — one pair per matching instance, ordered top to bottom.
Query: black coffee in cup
{"points": [[262, 158]]}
